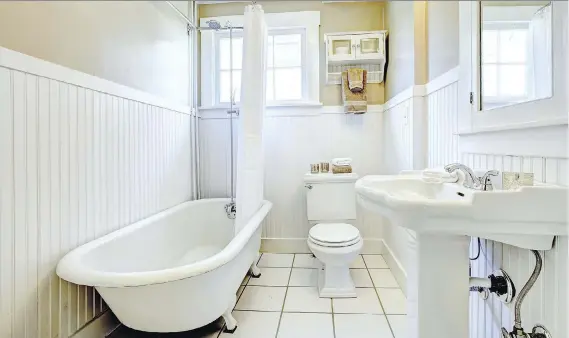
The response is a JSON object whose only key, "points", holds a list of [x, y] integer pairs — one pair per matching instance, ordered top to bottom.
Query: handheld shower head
{"points": [[213, 24]]}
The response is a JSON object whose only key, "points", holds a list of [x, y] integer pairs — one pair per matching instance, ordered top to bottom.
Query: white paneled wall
{"points": [[442, 107], [294, 138], [397, 140], [398, 156], [77, 162], [547, 301]]}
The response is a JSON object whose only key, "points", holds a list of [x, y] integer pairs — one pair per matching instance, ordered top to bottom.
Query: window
{"points": [[292, 61], [504, 63], [284, 66]]}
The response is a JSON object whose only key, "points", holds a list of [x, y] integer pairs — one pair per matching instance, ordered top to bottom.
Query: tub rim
{"points": [[71, 269]]}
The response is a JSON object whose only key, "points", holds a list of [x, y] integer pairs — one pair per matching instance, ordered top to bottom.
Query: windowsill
{"points": [[284, 104]]}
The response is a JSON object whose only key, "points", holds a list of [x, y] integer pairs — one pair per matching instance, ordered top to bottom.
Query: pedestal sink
{"points": [[444, 215]]}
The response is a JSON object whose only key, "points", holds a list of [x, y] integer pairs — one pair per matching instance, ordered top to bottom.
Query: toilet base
{"points": [[335, 282]]}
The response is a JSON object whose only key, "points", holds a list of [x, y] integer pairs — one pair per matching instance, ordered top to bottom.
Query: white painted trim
{"points": [[308, 21], [31, 65], [442, 81], [438, 83], [413, 91], [287, 111], [545, 111], [550, 141], [299, 245], [396, 267], [100, 327]]}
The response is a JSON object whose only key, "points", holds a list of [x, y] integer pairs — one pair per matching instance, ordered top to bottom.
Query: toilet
{"points": [[330, 208]]}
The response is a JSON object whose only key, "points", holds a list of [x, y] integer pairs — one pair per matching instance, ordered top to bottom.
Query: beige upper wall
{"points": [[341, 17], [443, 31], [140, 44]]}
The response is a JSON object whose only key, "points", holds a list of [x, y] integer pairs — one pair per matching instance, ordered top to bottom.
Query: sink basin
{"points": [[443, 215], [528, 217]]}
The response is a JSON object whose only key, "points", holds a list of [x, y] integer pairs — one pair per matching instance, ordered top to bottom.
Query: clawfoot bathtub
{"points": [[175, 271]]}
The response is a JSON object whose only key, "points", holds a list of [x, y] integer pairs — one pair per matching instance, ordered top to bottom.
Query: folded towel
{"points": [[356, 79], [354, 102], [341, 162], [439, 175]]}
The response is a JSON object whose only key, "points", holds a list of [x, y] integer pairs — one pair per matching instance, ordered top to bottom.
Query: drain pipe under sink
{"points": [[498, 283]]}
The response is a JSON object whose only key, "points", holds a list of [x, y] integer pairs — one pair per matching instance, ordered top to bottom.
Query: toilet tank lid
{"points": [[330, 178]]}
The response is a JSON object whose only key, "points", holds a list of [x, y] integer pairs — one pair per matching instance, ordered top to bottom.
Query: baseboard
{"points": [[284, 245], [298, 245], [396, 268], [100, 327]]}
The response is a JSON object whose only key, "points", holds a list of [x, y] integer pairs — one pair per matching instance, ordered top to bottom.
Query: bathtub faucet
{"points": [[231, 210]]}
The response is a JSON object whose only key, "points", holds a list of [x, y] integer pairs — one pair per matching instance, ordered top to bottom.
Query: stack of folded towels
{"points": [[341, 165]]}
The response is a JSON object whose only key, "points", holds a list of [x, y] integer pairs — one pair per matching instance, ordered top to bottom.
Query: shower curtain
{"points": [[250, 125]]}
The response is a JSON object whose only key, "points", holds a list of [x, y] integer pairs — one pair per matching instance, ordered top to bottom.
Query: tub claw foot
{"points": [[255, 271], [230, 322]]}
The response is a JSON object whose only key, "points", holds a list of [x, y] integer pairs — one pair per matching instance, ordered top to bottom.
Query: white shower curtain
{"points": [[250, 126]]}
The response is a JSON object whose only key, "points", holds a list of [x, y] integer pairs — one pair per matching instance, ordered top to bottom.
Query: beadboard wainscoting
{"points": [[442, 107], [294, 137], [398, 151], [81, 157], [547, 301]]}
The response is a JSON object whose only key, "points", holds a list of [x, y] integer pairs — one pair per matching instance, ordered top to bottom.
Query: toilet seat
{"points": [[334, 235]]}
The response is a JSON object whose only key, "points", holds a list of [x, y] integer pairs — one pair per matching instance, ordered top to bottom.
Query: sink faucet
{"points": [[471, 180]]}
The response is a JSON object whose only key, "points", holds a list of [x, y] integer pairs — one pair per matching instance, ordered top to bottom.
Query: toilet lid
{"points": [[334, 234]]}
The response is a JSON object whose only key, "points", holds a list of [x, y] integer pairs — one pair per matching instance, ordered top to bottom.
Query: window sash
{"points": [[271, 32]]}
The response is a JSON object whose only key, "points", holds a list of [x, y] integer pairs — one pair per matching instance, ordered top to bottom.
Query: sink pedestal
{"points": [[438, 287]]}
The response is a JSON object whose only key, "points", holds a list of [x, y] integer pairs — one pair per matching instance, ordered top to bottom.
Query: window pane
{"points": [[513, 45], [489, 46], [288, 50], [270, 52], [224, 53], [489, 80], [512, 80], [288, 84], [270, 85], [224, 91]]}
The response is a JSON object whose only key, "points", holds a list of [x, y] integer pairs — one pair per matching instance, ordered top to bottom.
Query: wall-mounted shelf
{"points": [[355, 49]]}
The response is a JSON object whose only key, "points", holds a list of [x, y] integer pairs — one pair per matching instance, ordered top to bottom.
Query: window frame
{"points": [[307, 21], [271, 32]]}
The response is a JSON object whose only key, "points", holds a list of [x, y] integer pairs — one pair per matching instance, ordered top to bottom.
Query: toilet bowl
{"points": [[336, 245]]}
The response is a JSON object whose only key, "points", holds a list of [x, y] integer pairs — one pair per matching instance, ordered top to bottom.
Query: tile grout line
{"points": [[239, 297], [284, 300], [380, 303]]}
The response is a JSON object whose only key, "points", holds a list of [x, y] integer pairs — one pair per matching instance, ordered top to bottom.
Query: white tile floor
{"points": [[284, 302]]}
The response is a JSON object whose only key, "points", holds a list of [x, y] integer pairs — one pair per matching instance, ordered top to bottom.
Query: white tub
{"points": [[175, 271]]}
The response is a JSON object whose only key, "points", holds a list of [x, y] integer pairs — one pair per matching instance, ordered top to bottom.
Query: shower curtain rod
{"points": [[179, 12], [192, 25]]}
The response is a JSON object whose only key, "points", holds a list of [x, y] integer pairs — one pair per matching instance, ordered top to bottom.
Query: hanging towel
{"points": [[356, 79], [354, 102], [341, 162]]}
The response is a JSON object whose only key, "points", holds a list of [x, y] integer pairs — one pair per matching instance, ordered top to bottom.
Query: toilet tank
{"points": [[330, 197]]}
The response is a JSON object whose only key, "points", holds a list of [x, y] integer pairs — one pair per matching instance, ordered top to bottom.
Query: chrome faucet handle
{"points": [[485, 180]]}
